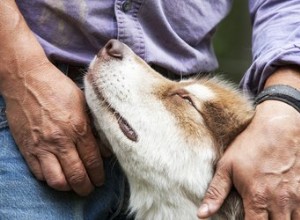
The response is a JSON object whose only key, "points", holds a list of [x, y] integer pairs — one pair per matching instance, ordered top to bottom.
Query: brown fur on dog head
{"points": [[228, 114]]}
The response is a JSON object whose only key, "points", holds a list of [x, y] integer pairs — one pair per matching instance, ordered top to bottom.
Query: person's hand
{"points": [[45, 110], [47, 116], [263, 163]]}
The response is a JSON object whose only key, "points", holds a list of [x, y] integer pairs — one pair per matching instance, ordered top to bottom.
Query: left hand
{"points": [[263, 162]]}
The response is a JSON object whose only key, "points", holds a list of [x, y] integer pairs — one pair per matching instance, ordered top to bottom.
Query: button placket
{"points": [[129, 29]]}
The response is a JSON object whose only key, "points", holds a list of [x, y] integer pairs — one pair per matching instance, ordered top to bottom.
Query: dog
{"points": [[167, 135]]}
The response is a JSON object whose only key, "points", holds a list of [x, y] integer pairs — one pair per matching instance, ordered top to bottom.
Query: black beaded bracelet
{"points": [[282, 93]]}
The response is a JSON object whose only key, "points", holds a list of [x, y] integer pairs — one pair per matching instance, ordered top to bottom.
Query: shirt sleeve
{"points": [[275, 40]]}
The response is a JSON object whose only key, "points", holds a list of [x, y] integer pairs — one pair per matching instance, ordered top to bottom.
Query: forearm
{"points": [[19, 49], [287, 75]]}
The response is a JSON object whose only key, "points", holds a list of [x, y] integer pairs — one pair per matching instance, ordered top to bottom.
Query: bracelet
{"points": [[284, 93]]}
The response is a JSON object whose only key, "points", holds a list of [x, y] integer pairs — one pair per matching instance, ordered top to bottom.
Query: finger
{"points": [[102, 142], [89, 153], [34, 166], [74, 170], [52, 172], [217, 192], [282, 211], [250, 214], [296, 214], [280, 215]]}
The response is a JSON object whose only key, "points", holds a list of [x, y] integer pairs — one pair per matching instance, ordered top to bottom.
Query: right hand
{"points": [[47, 116], [263, 163]]}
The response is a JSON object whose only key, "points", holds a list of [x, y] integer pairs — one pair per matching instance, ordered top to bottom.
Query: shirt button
{"points": [[126, 6]]}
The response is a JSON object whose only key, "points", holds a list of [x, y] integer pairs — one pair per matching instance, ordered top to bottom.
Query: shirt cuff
{"points": [[264, 65]]}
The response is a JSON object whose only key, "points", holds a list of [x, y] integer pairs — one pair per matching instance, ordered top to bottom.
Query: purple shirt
{"points": [[173, 34], [275, 39]]}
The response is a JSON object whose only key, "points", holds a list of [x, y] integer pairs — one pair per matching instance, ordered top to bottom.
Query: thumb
{"points": [[217, 192]]}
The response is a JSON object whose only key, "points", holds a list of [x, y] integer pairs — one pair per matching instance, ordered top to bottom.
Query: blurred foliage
{"points": [[232, 42]]}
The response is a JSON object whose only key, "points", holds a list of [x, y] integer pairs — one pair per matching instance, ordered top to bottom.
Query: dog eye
{"points": [[188, 100]]}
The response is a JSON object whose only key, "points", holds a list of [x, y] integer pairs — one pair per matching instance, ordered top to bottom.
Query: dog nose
{"points": [[113, 48]]}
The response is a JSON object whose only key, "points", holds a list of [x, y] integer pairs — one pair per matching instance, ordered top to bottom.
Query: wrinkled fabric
{"points": [[172, 34], [276, 39]]}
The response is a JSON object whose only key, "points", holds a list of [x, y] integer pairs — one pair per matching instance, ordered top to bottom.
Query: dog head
{"points": [[165, 134]]}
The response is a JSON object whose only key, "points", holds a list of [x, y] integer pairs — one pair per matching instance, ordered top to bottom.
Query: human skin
{"points": [[46, 111], [263, 162]]}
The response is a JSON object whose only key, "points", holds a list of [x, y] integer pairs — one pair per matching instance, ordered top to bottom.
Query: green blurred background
{"points": [[232, 42]]}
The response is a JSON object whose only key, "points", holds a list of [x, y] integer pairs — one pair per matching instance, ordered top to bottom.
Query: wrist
{"points": [[20, 52], [286, 75], [16, 85], [284, 86], [283, 93], [275, 114]]}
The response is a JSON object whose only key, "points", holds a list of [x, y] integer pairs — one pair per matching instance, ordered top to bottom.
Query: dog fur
{"points": [[167, 135]]}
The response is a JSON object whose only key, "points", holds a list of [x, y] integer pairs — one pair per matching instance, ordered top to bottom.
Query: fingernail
{"points": [[203, 210]]}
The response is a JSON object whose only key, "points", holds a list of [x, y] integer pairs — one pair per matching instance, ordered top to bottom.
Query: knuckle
{"points": [[81, 127], [56, 137], [63, 150], [92, 162], [222, 169], [37, 173], [222, 174], [78, 177], [221, 178], [57, 183], [213, 193], [258, 198], [283, 199]]}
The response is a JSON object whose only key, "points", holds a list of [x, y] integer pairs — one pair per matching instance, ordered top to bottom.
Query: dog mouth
{"points": [[125, 127]]}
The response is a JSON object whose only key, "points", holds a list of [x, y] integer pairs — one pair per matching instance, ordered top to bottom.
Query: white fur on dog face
{"points": [[131, 90], [201, 92], [174, 149], [162, 158]]}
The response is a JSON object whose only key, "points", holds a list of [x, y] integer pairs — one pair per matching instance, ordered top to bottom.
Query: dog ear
{"points": [[226, 120]]}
